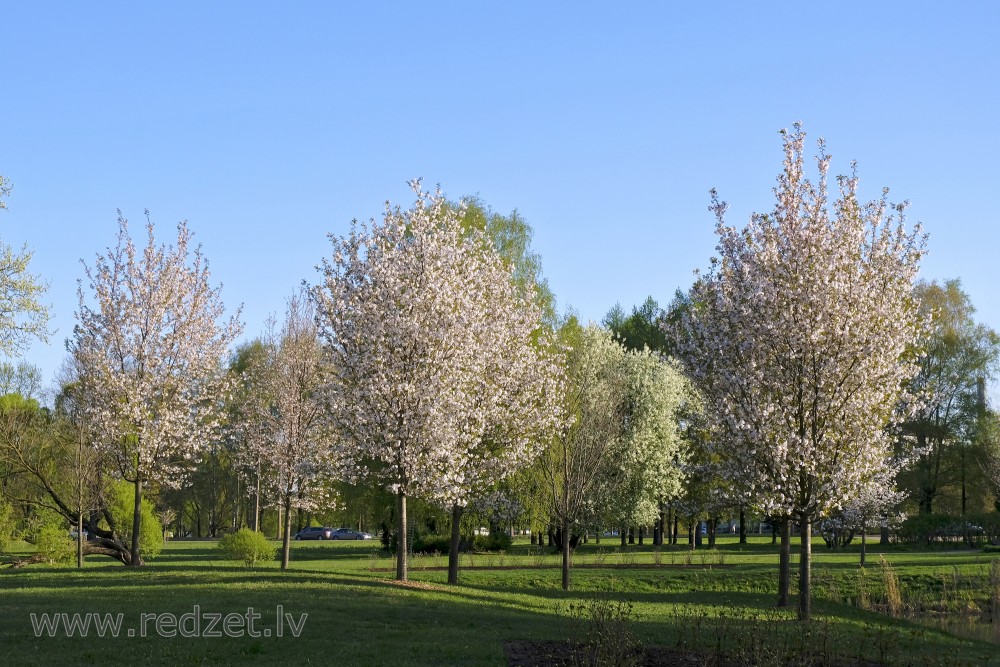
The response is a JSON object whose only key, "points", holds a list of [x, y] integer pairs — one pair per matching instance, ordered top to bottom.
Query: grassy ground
{"points": [[358, 616]]}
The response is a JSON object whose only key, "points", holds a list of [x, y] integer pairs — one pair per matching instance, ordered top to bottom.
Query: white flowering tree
{"points": [[800, 338], [149, 347], [440, 376], [297, 445], [647, 466], [874, 505]]}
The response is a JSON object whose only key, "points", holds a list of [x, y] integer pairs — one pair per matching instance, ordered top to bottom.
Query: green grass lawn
{"points": [[358, 616]]}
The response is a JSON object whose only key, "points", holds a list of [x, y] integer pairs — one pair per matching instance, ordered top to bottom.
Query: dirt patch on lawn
{"points": [[563, 653]]}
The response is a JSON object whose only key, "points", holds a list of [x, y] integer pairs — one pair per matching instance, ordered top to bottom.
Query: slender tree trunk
{"points": [[961, 449], [256, 504], [79, 509], [677, 520], [136, 523], [661, 524], [712, 524], [743, 526], [864, 533], [286, 534], [456, 534], [642, 534], [631, 535], [624, 536], [883, 536], [79, 538], [691, 540], [401, 545], [565, 555], [784, 562], [805, 568]]}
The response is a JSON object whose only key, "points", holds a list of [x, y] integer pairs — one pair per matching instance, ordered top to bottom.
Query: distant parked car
{"points": [[315, 533], [348, 534]]}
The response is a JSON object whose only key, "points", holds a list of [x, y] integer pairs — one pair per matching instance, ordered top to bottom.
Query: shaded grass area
{"points": [[707, 602]]}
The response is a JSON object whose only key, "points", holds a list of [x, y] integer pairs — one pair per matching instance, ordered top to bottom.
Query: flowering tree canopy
{"points": [[800, 338], [149, 352], [440, 375], [298, 446], [646, 468]]}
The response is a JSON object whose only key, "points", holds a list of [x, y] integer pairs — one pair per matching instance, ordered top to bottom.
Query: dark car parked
{"points": [[314, 533]]}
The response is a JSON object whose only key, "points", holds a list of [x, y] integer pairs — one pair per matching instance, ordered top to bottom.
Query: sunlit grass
{"points": [[359, 615]]}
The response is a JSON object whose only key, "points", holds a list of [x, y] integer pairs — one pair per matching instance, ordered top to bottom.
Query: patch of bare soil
{"points": [[562, 653]]}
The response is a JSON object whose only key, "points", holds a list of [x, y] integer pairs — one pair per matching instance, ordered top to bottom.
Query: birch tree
{"points": [[801, 338], [149, 347], [439, 379], [580, 460]]}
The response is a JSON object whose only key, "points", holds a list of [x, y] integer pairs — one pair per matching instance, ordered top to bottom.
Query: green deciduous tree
{"points": [[956, 354]]}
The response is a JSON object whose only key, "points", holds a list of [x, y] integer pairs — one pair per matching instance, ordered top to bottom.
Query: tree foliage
{"points": [[22, 314], [800, 338], [429, 343], [149, 350], [956, 354]]}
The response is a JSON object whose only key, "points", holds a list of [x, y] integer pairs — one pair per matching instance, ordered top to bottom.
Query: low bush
{"points": [[972, 530], [492, 542], [53, 544], [431, 544], [246, 545]]}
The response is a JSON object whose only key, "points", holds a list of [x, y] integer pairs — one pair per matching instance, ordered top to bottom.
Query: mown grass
{"points": [[358, 616]]}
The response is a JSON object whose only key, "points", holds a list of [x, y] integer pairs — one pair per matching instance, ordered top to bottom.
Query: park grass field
{"points": [[709, 601]]}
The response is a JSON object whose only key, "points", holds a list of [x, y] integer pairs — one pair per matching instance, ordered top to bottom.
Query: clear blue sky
{"points": [[267, 126]]}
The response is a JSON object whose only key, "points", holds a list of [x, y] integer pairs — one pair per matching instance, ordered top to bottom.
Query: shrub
{"points": [[7, 531], [492, 542], [52, 543], [431, 544], [246, 545]]}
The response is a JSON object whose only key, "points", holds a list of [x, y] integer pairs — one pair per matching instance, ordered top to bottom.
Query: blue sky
{"points": [[267, 127]]}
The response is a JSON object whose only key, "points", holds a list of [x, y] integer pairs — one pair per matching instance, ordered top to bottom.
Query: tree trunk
{"points": [[256, 505], [677, 521], [136, 523], [712, 524], [743, 526], [286, 533], [864, 533], [642, 534], [691, 534], [456, 535], [631, 535], [624, 536], [883, 537], [79, 539], [401, 545], [565, 555], [784, 562], [805, 571]]}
